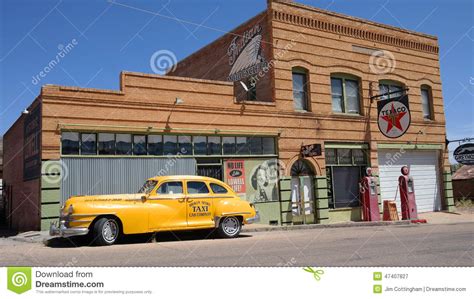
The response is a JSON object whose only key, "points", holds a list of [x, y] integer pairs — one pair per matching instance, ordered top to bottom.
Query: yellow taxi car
{"points": [[164, 203]]}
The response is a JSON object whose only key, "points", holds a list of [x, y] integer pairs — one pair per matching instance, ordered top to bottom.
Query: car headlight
{"points": [[67, 212]]}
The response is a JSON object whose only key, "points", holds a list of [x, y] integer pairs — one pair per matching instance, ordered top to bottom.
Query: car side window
{"points": [[170, 188], [197, 188], [218, 189]]}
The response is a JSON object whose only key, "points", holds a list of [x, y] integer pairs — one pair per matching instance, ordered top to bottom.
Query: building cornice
{"points": [[353, 31]]}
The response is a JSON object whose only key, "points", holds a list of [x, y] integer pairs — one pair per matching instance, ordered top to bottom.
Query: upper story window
{"points": [[252, 86], [389, 87], [300, 89], [345, 94], [426, 102], [70, 143], [88, 144], [101, 144], [106, 144], [123, 144], [170, 144], [139, 145], [155, 145], [185, 145]]}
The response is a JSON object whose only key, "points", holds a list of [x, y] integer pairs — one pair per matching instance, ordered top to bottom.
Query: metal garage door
{"points": [[424, 170]]}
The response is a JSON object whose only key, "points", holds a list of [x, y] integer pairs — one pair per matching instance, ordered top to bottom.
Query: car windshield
{"points": [[148, 186]]}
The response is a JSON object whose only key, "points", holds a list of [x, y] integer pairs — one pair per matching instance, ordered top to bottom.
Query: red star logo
{"points": [[393, 119]]}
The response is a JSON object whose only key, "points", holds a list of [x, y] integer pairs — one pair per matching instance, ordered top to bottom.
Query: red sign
{"points": [[235, 175]]}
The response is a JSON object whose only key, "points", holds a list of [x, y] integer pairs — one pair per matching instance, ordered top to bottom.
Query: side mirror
{"points": [[144, 198]]}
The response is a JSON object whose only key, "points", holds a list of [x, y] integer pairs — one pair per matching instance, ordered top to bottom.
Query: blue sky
{"points": [[111, 37]]}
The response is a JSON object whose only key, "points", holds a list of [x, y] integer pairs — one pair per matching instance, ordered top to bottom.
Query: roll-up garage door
{"points": [[424, 170]]}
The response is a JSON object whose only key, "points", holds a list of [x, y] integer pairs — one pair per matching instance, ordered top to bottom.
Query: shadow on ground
{"points": [[5, 233], [161, 237]]}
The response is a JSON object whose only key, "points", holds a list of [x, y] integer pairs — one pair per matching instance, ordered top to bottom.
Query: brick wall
{"points": [[329, 43], [212, 62], [23, 210]]}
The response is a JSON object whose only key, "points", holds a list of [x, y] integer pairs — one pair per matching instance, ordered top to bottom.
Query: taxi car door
{"points": [[200, 206], [167, 207]]}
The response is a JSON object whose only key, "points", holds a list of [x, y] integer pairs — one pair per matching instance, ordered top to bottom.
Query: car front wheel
{"points": [[229, 227], [106, 231]]}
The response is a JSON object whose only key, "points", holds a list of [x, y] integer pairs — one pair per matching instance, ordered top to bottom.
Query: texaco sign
{"points": [[394, 116]]}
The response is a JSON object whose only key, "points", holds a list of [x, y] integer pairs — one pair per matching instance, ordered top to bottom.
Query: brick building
{"points": [[240, 109], [463, 183]]}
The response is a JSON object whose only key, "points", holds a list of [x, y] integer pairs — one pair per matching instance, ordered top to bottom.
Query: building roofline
{"points": [[264, 12], [351, 18], [178, 78], [121, 91], [38, 98]]}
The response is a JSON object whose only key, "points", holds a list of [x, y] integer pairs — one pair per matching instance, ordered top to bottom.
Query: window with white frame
{"points": [[394, 88], [300, 89], [345, 94], [426, 102]]}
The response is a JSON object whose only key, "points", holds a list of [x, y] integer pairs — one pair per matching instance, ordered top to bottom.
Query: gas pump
{"points": [[407, 195], [368, 197]]}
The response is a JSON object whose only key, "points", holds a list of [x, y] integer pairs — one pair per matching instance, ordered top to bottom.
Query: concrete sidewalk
{"points": [[460, 216], [442, 217], [263, 227]]}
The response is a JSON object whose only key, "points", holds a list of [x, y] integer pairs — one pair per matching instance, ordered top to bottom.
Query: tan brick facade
{"points": [[321, 42]]}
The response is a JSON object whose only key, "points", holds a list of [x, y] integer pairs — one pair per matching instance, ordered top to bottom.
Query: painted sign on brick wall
{"points": [[245, 54], [32, 144], [235, 175]]}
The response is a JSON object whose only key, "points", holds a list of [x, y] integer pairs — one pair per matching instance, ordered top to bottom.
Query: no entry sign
{"points": [[394, 116]]}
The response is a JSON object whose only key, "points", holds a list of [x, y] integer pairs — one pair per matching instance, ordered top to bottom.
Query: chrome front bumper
{"points": [[253, 219], [62, 231]]}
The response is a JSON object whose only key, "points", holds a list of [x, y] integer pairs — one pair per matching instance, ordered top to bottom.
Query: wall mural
{"points": [[246, 55], [32, 144], [235, 175], [260, 179]]}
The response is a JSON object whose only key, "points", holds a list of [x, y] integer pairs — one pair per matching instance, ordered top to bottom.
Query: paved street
{"points": [[403, 245]]}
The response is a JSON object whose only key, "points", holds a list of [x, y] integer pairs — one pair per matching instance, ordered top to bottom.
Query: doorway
{"points": [[209, 167], [302, 193]]}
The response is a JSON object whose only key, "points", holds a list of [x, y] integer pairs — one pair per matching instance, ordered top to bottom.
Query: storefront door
{"points": [[210, 167], [302, 193]]}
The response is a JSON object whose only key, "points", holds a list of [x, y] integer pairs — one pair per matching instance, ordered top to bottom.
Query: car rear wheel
{"points": [[229, 227], [106, 231]]}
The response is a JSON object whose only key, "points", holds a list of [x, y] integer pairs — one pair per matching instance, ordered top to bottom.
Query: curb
{"points": [[320, 226], [31, 237]]}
